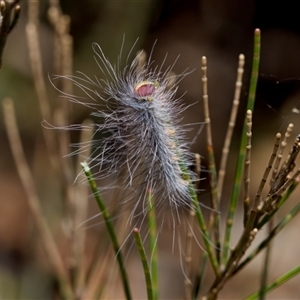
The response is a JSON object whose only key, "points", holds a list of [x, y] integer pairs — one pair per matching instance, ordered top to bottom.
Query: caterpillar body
{"points": [[141, 135]]}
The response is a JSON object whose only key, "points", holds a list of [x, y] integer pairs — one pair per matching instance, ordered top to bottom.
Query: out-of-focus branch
{"points": [[33, 200]]}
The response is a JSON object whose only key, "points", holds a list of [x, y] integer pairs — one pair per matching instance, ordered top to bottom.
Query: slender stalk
{"points": [[34, 48], [63, 54], [255, 68], [231, 124], [280, 152], [242, 153], [247, 168], [267, 171], [282, 181], [277, 196], [33, 200], [80, 213], [200, 218], [214, 221], [110, 228], [205, 233], [272, 234], [153, 245], [142, 252], [188, 256], [235, 256], [265, 269], [200, 276], [96, 280], [279, 281], [193, 290]]}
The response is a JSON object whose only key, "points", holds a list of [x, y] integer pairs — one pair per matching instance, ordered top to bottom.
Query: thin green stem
{"points": [[242, 152], [200, 219], [110, 228], [205, 233], [153, 245], [142, 252], [188, 256], [266, 265], [200, 277], [279, 281]]}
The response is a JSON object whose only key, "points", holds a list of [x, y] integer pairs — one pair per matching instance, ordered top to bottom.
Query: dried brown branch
{"points": [[39, 81], [231, 124], [247, 167], [33, 199], [214, 222]]}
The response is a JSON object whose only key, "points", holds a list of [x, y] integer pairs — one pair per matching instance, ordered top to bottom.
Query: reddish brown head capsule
{"points": [[145, 89]]}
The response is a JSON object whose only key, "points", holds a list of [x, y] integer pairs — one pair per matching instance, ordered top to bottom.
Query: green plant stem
{"points": [[242, 153], [200, 219], [110, 228], [205, 233], [153, 245], [142, 253], [266, 265], [200, 276], [279, 281]]}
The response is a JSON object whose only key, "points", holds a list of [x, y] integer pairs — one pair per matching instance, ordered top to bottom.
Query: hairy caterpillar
{"points": [[140, 134]]}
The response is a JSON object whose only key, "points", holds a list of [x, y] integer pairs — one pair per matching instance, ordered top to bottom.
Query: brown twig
{"points": [[39, 81], [231, 124], [280, 152], [247, 168], [266, 173], [33, 200], [80, 214], [214, 217]]}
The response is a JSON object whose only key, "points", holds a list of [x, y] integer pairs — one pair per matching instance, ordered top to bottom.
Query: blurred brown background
{"points": [[220, 30]]}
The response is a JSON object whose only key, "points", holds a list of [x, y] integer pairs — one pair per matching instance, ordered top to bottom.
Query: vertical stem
{"points": [[231, 124], [242, 152], [247, 168], [34, 202], [214, 217], [110, 229], [205, 233], [153, 245], [142, 252], [188, 257], [264, 275]]}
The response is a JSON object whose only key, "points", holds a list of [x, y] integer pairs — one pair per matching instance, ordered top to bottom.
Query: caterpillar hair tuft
{"points": [[139, 116]]}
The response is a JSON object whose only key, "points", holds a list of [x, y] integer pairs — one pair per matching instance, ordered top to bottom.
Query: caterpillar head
{"points": [[145, 90]]}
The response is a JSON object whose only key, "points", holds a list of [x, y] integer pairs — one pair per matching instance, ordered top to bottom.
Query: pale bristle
{"points": [[138, 120]]}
